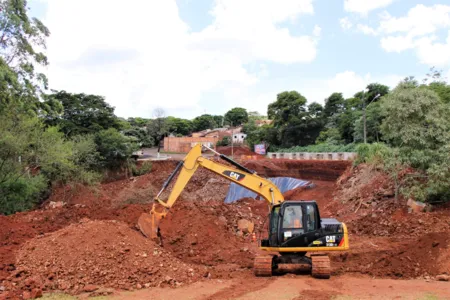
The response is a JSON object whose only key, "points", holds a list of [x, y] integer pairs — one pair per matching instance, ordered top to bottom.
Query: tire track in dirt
{"points": [[240, 288]]}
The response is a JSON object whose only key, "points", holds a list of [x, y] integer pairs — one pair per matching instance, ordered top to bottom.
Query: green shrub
{"points": [[226, 141], [322, 147], [115, 148], [374, 154], [144, 169], [21, 194]]}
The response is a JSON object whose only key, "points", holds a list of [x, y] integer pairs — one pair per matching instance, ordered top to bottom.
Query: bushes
{"points": [[226, 141], [323, 147], [114, 148], [375, 154], [32, 157], [144, 169], [21, 194]]}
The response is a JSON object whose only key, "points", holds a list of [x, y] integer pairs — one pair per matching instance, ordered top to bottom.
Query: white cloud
{"points": [[365, 6], [419, 21], [346, 24], [366, 29], [317, 30], [418, 30], [260, 37], [397, 43], [434, 54], [143, 55]]}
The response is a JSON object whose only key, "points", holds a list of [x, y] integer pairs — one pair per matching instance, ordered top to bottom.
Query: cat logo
{"points": [[234, 175], [331, 239]]}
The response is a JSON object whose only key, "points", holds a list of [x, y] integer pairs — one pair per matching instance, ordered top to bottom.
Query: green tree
{"points": [[20, 37], [375, 89], [442, 89], [334, 105], [288, 106], [83, 114], [237, 116], [374, 118], [415, 118], [219, 121], [416, 121], [138, 122], [203, 122], [158, 126], [179, 126], [141, 135], [115, 148], [32, 156]]}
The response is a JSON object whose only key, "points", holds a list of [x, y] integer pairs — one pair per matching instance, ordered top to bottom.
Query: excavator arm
{"points": [[149, 224]]}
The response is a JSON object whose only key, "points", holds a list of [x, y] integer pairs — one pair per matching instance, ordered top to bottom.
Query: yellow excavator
{"points": [[295, 229]]}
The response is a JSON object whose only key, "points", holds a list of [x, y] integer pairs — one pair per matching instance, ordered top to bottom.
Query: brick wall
{"points": [[184, 144]]}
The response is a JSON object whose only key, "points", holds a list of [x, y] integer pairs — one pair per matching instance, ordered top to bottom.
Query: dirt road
{"points": [[298, 288]]}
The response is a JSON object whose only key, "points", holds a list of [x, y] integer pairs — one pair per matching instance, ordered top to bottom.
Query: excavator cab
{"points": [[297, 224], [295, 229]]}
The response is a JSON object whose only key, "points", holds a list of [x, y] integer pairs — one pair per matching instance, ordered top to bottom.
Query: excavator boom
{"points": [[149, 223]]}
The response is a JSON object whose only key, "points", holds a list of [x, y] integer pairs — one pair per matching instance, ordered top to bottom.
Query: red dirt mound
{"points": [[16, 229], [207, 233], [106, 253], [410, 258]]}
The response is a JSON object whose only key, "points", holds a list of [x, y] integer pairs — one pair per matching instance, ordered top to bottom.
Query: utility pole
{"points": [[364, 115], [232, 143]]}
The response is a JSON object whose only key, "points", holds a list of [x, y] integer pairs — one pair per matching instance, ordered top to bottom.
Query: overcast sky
{"points": [[206, 56]]}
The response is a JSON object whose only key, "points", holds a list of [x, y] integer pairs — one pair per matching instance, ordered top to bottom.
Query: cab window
{"points": [[310, 217], [292, 218], [274, 220]]}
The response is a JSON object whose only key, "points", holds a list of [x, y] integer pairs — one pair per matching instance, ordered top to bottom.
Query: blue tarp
{"points": [[284, 184]]}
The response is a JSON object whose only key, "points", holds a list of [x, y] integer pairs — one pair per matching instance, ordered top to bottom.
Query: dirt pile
{"points": [[366, 201], [385, 220], [17, 229], [208, 234], [89, 254], [427, 255]]}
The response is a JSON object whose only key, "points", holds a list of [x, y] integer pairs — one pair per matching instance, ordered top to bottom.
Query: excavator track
{"points": [[263, 265], [321, 266]]}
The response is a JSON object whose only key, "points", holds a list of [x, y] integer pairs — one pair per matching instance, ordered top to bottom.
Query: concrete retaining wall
{"points": [[313, 155]]}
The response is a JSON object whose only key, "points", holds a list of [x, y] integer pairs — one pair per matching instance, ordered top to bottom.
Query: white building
{"points": [[239, 137]]}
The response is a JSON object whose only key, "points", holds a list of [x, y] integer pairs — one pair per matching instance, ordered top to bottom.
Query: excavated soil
{"points": [[207, 233], [91, 241], [85, 255]]}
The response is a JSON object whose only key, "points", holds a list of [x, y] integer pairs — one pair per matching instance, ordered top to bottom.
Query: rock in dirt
{"points": [[55, 204], [415, 206], [245, 226], [443, 277], [90, 288]]}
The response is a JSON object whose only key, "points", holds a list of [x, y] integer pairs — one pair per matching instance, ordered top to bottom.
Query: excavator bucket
{"points": [[148, 224]]}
